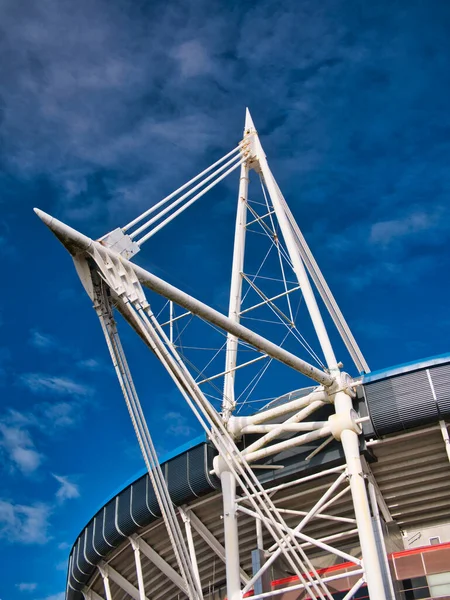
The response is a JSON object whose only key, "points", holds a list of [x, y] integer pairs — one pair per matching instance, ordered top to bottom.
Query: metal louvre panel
{"points": [[440, 376], [415, 400], [401, 402], [383, 410], [200, 463], [188, 477], [177, 479], [212, 479], [150, 498], [139, 510], [125, 523], [112, 536], [99, 542], [90, 553], [80, 568], [76, 577]]}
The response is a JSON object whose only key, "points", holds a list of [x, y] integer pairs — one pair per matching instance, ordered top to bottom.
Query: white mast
{"points": [[113, 282], [234, 310]]}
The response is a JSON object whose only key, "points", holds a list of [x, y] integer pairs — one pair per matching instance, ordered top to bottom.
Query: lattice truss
{"points": [[229, 370]]}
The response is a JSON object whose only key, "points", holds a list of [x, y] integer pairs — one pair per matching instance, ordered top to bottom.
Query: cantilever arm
{"points": [[76, 243]]}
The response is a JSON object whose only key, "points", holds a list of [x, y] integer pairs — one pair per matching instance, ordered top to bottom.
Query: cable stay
{"points": [[269, 285]]}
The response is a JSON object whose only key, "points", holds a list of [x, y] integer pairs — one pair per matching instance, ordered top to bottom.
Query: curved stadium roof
{"points": [[405, 405]]}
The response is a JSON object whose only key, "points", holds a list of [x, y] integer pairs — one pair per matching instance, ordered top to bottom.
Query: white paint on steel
{"points": [[177, 191], [77, 242], [124, 280], [234, 309], [446, 437], [376, 517], [230, 528], [212, 542], [158, 561], [138, 563], [120, 580]]}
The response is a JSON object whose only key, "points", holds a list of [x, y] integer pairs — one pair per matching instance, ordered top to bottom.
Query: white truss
{"points": [[115, 283]]}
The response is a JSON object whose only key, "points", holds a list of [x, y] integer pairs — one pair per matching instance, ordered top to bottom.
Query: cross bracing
{"points": [[248, 350]]}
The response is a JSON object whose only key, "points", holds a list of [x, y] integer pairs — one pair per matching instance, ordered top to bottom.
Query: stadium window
{"points": [[434, 541], [439, 584], [415, 588]]}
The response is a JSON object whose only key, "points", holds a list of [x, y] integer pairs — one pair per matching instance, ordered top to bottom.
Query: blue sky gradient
{"points": [[105, 107]]}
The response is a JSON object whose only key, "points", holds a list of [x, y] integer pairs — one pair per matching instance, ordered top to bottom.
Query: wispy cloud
{"points": [[193, 59], [413, 223], [42, 341], [5, 356], [91, 364], [41, 383], [177, 424], [18, 428], [20, 449], [67, 490], [25, 524], [63, 546], [26, 587], [60, 596]]}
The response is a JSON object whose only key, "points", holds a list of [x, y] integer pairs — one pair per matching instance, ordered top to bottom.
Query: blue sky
{"points": [[107, 106]]}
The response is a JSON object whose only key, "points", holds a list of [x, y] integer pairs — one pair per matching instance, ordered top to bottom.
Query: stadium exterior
{"points": [[407, 461], [314, 495]]}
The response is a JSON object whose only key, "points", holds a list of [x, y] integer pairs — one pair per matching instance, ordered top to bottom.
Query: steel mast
{"points": [[113, 282]]}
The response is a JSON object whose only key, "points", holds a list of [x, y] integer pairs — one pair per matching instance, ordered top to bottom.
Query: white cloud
{"points": [[193, 59], [385, 233], [42, 341], [90, 364], [40, 383], [59, 414], [47, 417], [178, 424], [16, 440], [19, 447], [67, 490], [25, 524], [63, 546], [62, 565], [26, 587], [60, 596]]}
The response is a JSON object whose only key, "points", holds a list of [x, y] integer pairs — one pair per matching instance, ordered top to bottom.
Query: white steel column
{"points": [[296, 259], [234, 309], [342, 401], [444, 431], [228, 480], [376, 516], [230, 527], [190, 540], [212, 542], [369, 550], [137, 560], [106, 585]]}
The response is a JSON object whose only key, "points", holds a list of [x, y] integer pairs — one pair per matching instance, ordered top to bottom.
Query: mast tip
{"points": [[249, 125]]}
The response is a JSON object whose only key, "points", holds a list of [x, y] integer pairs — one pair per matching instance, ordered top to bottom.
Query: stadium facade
{"points": [[406, 452], [315, 495]]}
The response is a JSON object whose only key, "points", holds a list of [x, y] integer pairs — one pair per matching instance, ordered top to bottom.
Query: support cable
{"points": [[180, 189], [178, 201], [187, 204], [324, 290], [154, 335], [230, 454], [154, 469]]}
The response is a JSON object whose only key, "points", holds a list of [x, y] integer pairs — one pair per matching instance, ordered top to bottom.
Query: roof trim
{"points": [[406, 367], [201, 439]]}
